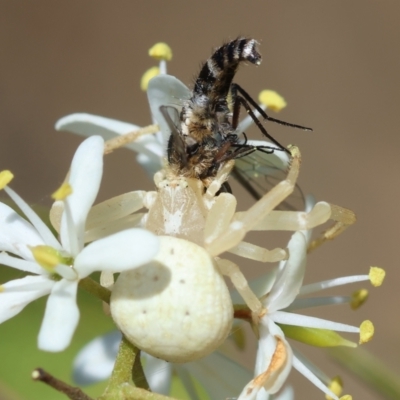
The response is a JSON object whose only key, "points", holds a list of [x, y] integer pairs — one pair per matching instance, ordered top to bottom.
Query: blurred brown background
{"points": [[336, 63]]}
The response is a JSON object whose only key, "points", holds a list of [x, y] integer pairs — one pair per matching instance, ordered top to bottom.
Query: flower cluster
{"points": [[117, 243]]}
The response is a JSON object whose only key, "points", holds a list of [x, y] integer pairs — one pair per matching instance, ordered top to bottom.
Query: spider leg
{"points": [[218, 181], [319, 214], [219, 217], [343, 217], [247, 220], [257, 253], [231, 270]]}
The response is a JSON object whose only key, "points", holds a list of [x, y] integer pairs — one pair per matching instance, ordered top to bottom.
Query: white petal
{"points": [[166, 90], [89, 125], [149, 164], [85, 177], [43, 230], [16, 233], [119, 252], [22, 265], [290, 278], [16, 294], [61, 317], [287, 318], [269, 332], [95, 362], [297, 364], [158, 374], [219, 375], [273, 381], [286, 394]]}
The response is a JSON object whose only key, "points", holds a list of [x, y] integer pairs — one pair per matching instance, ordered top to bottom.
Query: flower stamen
{"points": [[161, 51], [147, 76], [272, 100], [6, 177], [62, 192], [47, 257], [376, 276], [358, 298], [366, 331], [335, 386]]}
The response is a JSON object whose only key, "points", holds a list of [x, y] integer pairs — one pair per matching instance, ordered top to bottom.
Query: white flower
{"points": [[58, 266], [275, 357]]}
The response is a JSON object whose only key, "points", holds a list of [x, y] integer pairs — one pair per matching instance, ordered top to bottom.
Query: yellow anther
{"points": [[161, 51], [147, 76], [273, 100], [5, 178], [62, 192], [47, 257], [376, 276], [1, 288], [358, 298], [366, 331], [336, 386], [346, 397]]}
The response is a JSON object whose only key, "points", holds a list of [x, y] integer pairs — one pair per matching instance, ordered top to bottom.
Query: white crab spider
{"points": [[178, 307]]}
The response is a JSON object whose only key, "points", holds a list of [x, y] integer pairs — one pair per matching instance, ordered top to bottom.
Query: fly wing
{"points": [[166, 90], [258, 172]]}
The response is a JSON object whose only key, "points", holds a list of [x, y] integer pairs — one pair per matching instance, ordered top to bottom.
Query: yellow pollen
{"points": [[161, 51], [147, 76], [273, 100], [5, 178], [62, 192], [47, 257], [376, 276], [1, 288], [358, 298], [366, 331], [336, 386], [346, 397]]}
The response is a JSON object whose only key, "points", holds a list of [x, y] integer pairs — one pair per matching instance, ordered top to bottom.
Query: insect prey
{"points": [[204, 135]]}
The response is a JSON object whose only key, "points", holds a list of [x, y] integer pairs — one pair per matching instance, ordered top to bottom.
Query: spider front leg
{"points": [[114, 215], [318, 215], [247, 220], [257, 253], [231, 270]]}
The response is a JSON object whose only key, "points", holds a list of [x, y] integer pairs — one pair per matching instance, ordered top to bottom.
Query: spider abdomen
{"points": [[176, 307]]}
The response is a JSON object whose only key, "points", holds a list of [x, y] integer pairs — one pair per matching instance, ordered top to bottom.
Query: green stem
{"points": [[96, 289], [127, 368], [129, 392]]}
